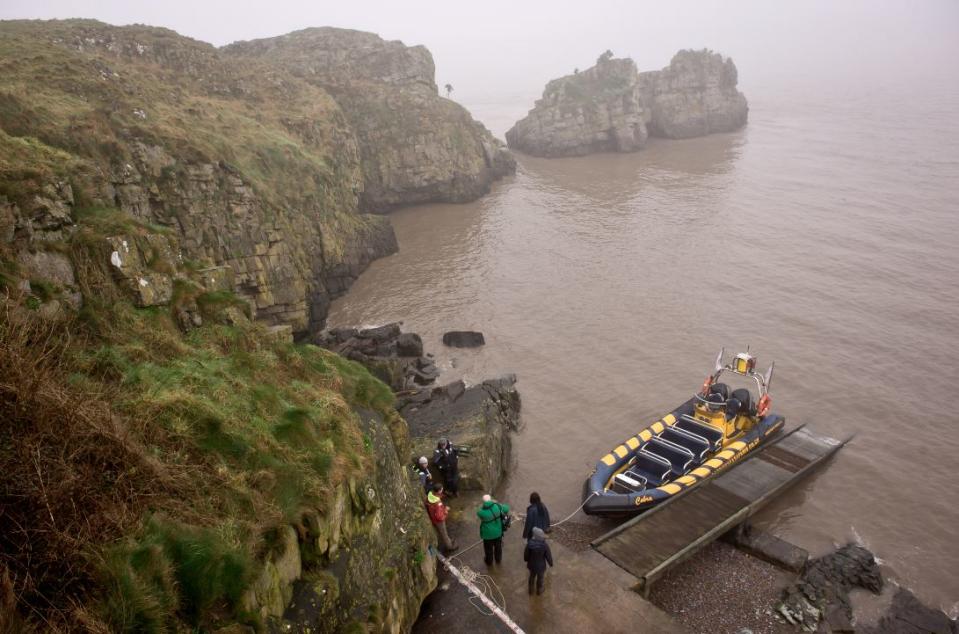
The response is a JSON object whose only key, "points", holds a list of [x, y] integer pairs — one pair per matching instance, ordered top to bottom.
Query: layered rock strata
{"points": [[612, 108], [415, 146], [260, 157], [250, 167]]}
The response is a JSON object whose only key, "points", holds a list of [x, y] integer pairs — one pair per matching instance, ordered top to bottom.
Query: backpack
{"points": [[505, 520]]}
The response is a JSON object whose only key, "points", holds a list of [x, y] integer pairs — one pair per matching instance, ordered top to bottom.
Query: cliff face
{"points": [[611, 108], [598, 110], [415, 146], [254, 169], [191, 470]]}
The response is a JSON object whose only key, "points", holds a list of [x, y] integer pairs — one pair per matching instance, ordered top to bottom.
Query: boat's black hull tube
{"points": [[601, 501]]}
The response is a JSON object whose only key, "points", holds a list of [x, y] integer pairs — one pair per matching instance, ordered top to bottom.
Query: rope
{"points": [[568, 517], [466, 550], [483, 588]]}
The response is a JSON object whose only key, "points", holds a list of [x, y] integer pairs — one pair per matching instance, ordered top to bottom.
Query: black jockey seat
{"points": [[719, 388], [745, 399], [733, 407], [710, 433], [696, 444], [679, 457], [654, 468]]}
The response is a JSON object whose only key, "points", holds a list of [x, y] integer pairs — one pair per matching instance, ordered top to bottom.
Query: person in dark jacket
{"points": [[446, 461], [537, 516], [536, 556]]}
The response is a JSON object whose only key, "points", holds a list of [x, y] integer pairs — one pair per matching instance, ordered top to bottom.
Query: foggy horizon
{"points": [[511, 50]]}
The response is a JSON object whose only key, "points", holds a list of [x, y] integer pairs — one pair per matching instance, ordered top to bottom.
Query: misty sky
{"points": [[494, 49]]}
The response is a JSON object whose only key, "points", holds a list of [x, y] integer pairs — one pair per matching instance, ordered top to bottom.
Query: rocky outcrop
{"points": [[694, 96], [612, 108], [598, 110], [415, 146], [392, 356], [480, 417], [822, 592]]}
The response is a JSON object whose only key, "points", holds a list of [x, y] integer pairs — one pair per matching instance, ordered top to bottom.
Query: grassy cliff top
{"points": [[92, 89]]}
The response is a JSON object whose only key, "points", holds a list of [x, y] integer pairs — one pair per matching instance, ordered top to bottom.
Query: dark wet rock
{"points": [[381, 334], [464, 339], [409, 344], [391, 355], [452, 391], [480, 417], [822, 592], [908, 615]]}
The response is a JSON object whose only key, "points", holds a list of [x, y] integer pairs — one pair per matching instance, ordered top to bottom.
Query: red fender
{"points": [[706, 384], [763, 406]]}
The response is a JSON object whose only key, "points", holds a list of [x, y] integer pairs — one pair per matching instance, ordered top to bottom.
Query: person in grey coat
{"points": [[537, 555]]}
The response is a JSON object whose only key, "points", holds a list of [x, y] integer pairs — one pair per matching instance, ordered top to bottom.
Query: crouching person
{"points": [[438, 513], [536, 556]]}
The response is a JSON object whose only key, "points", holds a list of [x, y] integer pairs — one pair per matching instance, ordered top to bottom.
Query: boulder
{"points": [[380, 334], [463, 339], [409, 344], [480, 417]]}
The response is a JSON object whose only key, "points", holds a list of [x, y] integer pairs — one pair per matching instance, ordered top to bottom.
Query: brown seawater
{"points": [[825, 235]]}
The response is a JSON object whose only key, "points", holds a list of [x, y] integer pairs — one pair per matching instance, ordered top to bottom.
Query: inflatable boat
{"points": [[707, 434]]}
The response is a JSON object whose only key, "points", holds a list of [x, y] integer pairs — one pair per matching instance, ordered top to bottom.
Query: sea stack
{"points": [[694, 96], [613, 108], [598, 110]]}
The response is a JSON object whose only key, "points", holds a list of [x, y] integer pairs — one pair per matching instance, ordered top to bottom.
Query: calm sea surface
{"points": [[825, 235]]}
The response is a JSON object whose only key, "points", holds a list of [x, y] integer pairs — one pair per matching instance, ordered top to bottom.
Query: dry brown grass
{"points": [[71, 474]]}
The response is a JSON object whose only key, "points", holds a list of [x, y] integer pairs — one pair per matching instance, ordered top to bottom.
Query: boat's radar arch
{"points": [[742, 364]]}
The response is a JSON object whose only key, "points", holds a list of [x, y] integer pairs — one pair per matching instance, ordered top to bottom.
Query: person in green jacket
{"points": [[491, 515]]}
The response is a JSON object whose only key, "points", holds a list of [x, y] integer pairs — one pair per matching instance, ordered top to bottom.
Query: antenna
{"points": [[719, 361]]}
